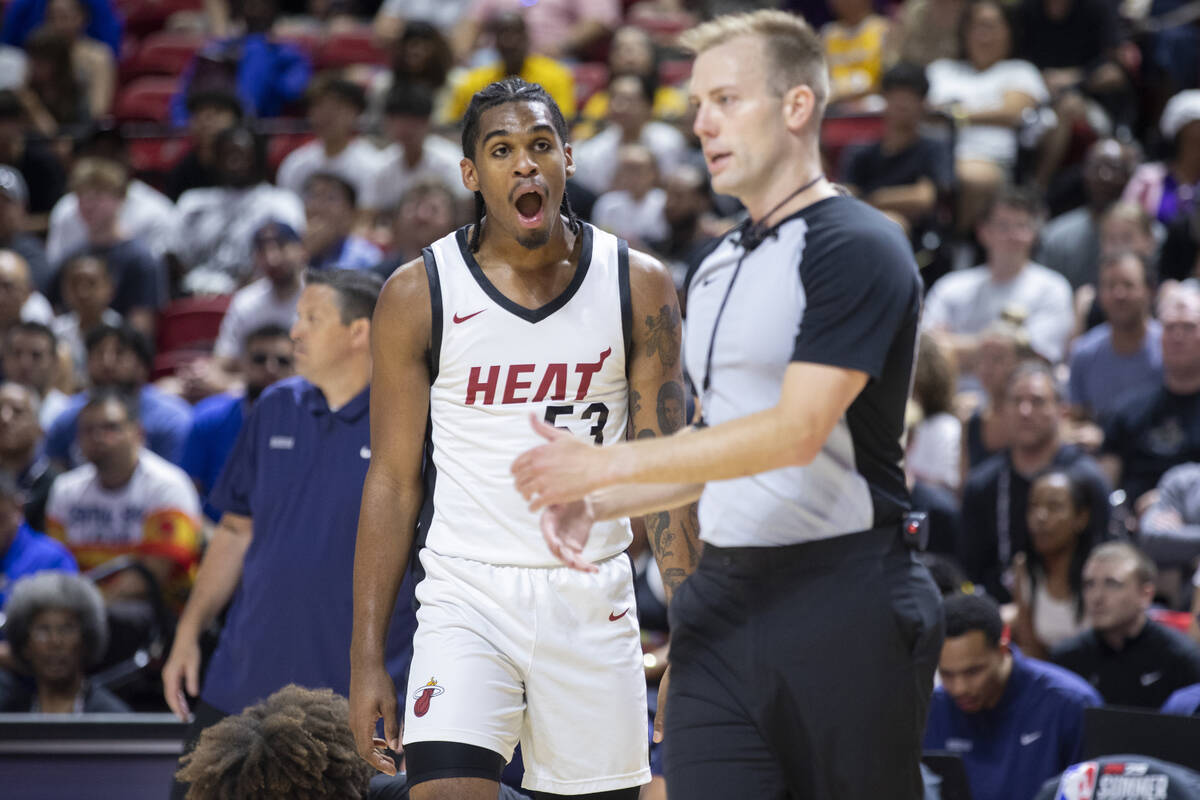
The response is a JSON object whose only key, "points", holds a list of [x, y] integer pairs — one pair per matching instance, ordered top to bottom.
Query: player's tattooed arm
{"points": [[656, 371]]}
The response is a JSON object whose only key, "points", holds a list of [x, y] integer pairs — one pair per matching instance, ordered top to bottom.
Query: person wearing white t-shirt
{"points": [[988, 94], [334, 107], [414, 154], [633, 210], [146, 215], [280, 258], [963, 304], [126, 501]]}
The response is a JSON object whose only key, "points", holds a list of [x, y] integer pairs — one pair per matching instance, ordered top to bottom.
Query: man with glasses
{"points": [[217, 419]]}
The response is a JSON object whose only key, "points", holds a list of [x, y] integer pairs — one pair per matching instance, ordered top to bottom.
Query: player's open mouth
{"points": [[717, 161], [530, 209]]}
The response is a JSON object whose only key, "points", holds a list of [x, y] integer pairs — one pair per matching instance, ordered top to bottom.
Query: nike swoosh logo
{"points": [[458, 319], [614, 617], [1150, 677], [1030, 738]]}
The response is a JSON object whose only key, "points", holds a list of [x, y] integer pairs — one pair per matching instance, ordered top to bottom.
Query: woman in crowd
{"points": [[1167, 189], [934, 445]]}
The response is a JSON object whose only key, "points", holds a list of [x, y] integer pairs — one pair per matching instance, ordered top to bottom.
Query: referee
{"points": [[804, 645]]}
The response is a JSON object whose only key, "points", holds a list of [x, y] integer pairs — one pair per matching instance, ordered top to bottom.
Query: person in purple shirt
{"points": [[1126, 351], [24, 551], [1015, 721]]}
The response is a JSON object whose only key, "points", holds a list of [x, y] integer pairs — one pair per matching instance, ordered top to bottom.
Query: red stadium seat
{"points": [[147, 16], [307, 43], [350, 48], [168, 52], [590, 77], [146, 99], [838, 133], [157, 154], [191, 323]]}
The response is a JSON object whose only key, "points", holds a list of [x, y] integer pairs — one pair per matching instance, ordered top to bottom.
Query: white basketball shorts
{"points": [[547, 656]]}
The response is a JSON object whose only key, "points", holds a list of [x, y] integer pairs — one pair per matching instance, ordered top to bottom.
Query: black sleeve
{"points": [[940, 164], [851, 170], [860, 289], [1098, 492]]}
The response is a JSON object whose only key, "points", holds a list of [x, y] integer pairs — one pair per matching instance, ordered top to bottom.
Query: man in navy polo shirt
{"points": [[266, 358], [284, 549], [1015, 721]]}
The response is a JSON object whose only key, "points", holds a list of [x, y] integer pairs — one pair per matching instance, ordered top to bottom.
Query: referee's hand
{"points": [[561, 471], [660, 715]]}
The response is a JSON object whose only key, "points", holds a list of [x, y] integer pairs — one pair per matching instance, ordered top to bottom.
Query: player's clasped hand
{"points": [[562, 471], [373, 696]]}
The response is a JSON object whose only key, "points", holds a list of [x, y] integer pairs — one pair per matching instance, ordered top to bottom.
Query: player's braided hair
{"points": [[509, 90], [296, 744]]}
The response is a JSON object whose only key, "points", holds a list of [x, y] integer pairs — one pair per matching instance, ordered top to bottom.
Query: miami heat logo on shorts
{"points": [[423, 695]]}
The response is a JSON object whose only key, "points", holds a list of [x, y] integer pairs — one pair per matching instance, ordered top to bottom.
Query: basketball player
{"points": [[526, 310]]}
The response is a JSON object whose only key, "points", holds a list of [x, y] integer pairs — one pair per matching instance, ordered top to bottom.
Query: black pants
{"points": [[802, 672], [205, 716]]}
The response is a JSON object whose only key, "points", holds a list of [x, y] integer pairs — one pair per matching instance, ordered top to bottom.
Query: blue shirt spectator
{"points": [[24, 16], [266, 75], [352, 252], [1101, 377], [166, 419], [215, 425], [297, 471], [30, 552], [1185, 701], [1015, 721]]}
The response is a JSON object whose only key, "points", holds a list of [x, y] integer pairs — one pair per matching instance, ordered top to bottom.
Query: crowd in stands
{"points": [[169, 169]]}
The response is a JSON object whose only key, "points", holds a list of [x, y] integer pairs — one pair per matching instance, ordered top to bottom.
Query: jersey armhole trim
{"points": [[626, 301], [435, 312]]}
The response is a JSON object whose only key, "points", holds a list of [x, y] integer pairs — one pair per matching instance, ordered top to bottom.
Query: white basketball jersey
{"points": [[495, 363]]}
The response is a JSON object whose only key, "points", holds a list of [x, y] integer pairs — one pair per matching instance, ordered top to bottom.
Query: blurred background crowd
{"points": [[169, 169]]}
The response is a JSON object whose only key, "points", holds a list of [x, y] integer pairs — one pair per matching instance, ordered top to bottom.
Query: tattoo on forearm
{"points": [[662, 337], [635, 403], [671, 407]]}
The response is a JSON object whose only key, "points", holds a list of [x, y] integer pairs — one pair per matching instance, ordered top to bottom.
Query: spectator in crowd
{"points": [[22, 17], [396, 18], [563, 29], [925, 31], [854, 43], [1073, 43], [632, 52], [420, 56], [519, 57], [95, 64], [266, 75], [988, 93], [55, 99], [334, 106], [209, 113], [629, 122], [24, 151], [415, 154], [904, 173], [1167, 189], [14, 194], [331, 208], [633, 208], [426, 213], [144, 214], [215, 226], [692, 229], [1070, 243], [280, 258], [138, 277], [87, 291], [18, 299], [962, 304], [1002, 346], [1125, 353], [29, 356], [266, 357], [122, 358], [1158, 426], [935, 443], [21, 455], [298, 464], [996, 493], [125, 500], [1169, 530], [23, 550], [1048, 577], [57, 629], [1130, 659], [1015, 721]]}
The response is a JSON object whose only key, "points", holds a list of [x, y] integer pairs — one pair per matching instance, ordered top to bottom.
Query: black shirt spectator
{"points": [[1083, 37], [139, 279]]}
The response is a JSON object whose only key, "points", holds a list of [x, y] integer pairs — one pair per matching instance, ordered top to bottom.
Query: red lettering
{"points": [[587, 371], [556, 376], [514, 383], [488, 387]]}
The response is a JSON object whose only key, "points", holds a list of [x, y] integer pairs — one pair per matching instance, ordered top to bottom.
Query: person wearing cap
{"points": [[334, 106], [415, 154], [1167, 189], [14, 196], [279, 257]]}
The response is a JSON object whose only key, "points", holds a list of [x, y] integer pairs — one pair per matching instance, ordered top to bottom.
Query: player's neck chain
{"points": [[755, 233]]}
